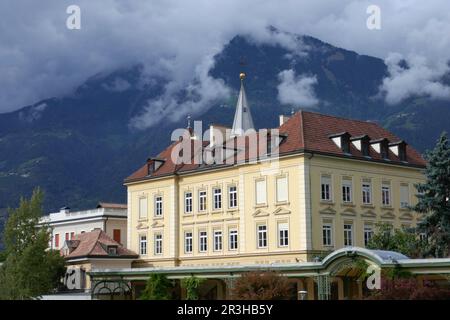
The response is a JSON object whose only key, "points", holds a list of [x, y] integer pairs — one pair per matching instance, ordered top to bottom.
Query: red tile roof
{"points": [[305, 132], [95, 244]]}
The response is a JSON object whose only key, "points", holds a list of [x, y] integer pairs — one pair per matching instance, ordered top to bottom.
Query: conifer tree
{"points": [[433, 199]]}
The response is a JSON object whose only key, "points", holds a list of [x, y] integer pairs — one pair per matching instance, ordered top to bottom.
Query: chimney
{"points": [[283, 119], [362, 144], [382, 147], [399, 149], [65, 210]]}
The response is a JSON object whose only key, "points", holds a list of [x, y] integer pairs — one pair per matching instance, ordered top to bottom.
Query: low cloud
{"points": [[40, 58], [414, 76], [297, 91], [199, 95]]}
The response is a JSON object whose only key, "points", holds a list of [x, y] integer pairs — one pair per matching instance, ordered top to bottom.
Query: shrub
{"points": [[265, 285]]}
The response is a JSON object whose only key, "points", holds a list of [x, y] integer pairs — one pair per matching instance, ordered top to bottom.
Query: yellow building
{"points": [[331, 181]]}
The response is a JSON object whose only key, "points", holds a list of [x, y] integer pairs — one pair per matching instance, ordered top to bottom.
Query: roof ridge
{"points": [[340, 117], [302, 136], [94, 243]]}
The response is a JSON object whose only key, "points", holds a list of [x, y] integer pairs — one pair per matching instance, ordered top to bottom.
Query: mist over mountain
{"points": [[80, 147]]}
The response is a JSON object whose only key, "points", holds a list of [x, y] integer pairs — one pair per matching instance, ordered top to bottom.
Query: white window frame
{"points": [[326, 182], [347, 191], [366, 192], [386, 195], [232, 197], [217, 198], [202, 200], [188, 202], [158, 206], [347, 232], [368, 233], [283, 234], [327, 234], [262, 239], [218, 240], [188, 241], [202, 241], [233, 243], [143, 245], [158, 246]]}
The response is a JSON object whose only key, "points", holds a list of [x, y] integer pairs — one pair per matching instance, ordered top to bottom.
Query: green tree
{"points": [[434, 197], [403, 241], [30, 269], [192, 285], [158, 288]]}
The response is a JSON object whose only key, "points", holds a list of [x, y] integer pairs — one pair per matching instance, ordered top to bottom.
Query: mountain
{"points": [[80, 147]]}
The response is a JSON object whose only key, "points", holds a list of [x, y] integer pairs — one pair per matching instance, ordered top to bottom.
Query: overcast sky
{"points": [[41, 58]]}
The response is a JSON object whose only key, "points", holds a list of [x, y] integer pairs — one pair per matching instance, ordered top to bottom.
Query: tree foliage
{"points": [[434, 197], [404, 241], [30, 269], [192, 285], [267, 285], [158, 288], [401, 288]]}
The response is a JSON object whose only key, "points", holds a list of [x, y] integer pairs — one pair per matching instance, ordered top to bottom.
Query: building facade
{"points": [[331, 181], [66, 224]]}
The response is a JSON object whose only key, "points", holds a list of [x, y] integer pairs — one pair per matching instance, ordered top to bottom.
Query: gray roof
{"points": [[242, 118]]}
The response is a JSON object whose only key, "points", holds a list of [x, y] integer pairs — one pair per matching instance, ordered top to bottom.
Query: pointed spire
{"points": [[242, 118], [189, 121]]}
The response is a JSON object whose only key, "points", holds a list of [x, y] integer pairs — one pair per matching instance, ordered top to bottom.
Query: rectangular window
{"points": [[325, 184], [282, 189], [347, 190], [261, 192], [366, 192], [386, 194], [217, 196], [232, 196], [404, 196], [202, 200], [188, 202], [158, 206], [142, 208], [368, 233], [283, 234], [348, 234], [72, 235], [116, 235], [327, 235], [67, 236], [262, 236], [423, 237], [233, 239], [57, 240], [218, 240], [203, 241], [188, 242], [158, 243], [143, 245]]}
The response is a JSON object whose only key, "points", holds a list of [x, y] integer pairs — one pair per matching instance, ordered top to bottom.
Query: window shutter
{"points": [[282, 189], [261, 192], [142, 207]]}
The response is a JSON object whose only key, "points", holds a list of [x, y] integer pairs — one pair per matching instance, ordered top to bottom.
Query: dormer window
{"points": [[342, 140], [362, 144], [382, 147], [399, 149], [154, 164], [112, 250]]}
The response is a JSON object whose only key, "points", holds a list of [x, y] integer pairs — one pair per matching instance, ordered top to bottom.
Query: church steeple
{"points": [[242, 118]]}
